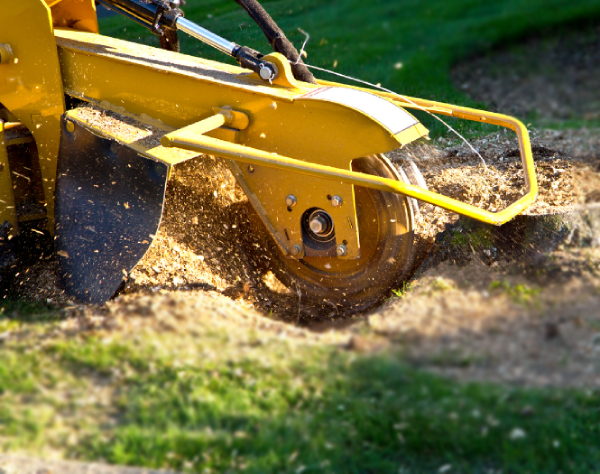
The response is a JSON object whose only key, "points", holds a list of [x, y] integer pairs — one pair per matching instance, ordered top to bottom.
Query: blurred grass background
{"points": [[408, 46], [248, 401]]}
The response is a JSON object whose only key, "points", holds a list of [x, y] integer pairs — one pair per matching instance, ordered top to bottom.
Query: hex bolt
{"points": [[251, 168], [290, 200], [336, 201], [318, 224], [296, 249], [341, 250]]}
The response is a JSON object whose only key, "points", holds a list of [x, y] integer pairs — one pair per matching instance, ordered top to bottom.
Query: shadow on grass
{"points": [[23, 311], [326, 410]]}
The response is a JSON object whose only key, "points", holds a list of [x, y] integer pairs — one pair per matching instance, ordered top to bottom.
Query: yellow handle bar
{"points": [[192, 138]]}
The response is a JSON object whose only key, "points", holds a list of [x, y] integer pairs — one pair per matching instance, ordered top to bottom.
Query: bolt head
{"points": [[70, 126], [291, 200], [336, 201], [317, 225], [296, 249], [341, 250]]}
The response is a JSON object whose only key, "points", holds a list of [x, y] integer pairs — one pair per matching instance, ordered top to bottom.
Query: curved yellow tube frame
{"points": [[192, 138]]}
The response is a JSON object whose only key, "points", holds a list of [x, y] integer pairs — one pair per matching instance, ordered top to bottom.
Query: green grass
{"points": [[371, 41], [519, 293], [23, 310], [210, 407]]}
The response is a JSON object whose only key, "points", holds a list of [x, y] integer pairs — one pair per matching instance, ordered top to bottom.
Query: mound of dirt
{"points": [[204, 241], [519, 303], [475, 310]]}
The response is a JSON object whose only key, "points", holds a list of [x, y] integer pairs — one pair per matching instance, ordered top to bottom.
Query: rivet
{"points": [[70, 126]]}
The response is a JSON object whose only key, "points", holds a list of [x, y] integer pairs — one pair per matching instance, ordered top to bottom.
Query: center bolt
{"points": [[336, 201], [318, 224]]}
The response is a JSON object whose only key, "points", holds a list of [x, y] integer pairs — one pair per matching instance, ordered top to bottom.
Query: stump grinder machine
{"points": [[309, 154]]}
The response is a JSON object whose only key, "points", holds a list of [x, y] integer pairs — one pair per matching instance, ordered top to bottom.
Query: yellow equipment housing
{"points": [[301, 152]]}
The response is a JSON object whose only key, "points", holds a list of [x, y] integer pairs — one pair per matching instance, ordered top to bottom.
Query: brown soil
{"points": [[527, 315], [528, 318]]}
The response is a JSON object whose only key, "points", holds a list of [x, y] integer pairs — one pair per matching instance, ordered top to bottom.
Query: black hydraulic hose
{"points": [[277, 39]]}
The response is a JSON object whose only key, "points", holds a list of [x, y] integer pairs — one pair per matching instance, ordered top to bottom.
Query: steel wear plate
{"points": [[109, 202]]}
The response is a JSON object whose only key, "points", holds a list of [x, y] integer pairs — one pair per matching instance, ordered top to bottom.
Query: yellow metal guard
{"points": [[203, 144]]}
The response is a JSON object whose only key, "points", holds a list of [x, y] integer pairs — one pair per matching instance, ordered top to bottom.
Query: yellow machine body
{"points": [[31, 86], [180, 91], [283, 139]]}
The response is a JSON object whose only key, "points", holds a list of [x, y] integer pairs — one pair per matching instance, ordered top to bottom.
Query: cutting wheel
{"points": [[385, 223]]}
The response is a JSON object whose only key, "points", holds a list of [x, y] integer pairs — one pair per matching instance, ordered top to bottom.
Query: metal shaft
{"points": [[206, 36]]}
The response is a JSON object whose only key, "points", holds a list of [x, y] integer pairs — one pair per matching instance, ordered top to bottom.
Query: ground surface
{"points": [[463, 302], [484, 305], [519, 305], [22, 465]]}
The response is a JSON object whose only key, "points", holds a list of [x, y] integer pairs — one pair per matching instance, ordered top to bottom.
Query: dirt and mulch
{"points": [[518, 304]]}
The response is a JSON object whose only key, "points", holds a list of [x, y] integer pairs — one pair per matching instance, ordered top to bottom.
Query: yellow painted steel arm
{"points": [[475, 115], [203, 144]]}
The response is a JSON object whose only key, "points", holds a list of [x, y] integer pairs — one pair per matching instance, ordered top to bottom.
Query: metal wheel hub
{"points": [[385, 223], [318, 225]]}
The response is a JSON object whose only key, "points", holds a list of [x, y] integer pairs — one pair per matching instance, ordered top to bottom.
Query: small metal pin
{"points": [[266, 73]]}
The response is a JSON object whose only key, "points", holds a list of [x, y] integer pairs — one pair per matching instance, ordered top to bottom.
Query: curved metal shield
{"points": [[109, 202]]}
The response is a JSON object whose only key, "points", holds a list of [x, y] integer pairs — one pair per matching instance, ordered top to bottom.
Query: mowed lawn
{"points": [[216, 400]]}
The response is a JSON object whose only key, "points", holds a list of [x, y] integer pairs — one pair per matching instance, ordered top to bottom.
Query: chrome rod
{"points": [[206, 36]]}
